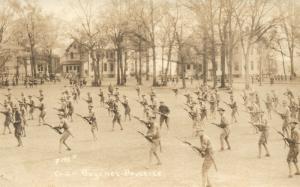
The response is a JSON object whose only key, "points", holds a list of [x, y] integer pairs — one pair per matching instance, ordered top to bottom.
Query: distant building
{"points": [[76, 60], [19, 65]]}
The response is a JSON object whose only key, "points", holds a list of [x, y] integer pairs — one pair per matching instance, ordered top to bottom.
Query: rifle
{"points": [[190, 113], [280, 114], [166, 115], [85, 118], [142, 121], [216, 124], [56, 129], [146, 137], [286, 142], [200, 151]]}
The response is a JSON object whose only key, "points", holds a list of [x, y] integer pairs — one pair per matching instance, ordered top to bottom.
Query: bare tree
{"points": [[254, 21], [86, 32]]}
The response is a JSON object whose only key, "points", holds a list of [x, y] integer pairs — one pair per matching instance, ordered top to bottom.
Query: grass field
{"points": [[120, 158]]}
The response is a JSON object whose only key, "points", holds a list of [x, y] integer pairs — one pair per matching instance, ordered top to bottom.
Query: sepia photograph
{"points": [[153, 93]]}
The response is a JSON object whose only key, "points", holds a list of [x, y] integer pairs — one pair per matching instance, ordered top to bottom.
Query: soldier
{"points": [[110, 89], [77, 90], [138, 90], [152, 93], [41, 95], [75, 95], [101, 95], [89, 99], [275, 99], [24, 101], [144, 103], [268, 103], [212, 104], [153, 105], [31, 107], [70, 108], [126, 108], [293, 108], [42, 109], [234, 109], [202, 110], [164, 112], [23, 115], [116, 116], [285, 116], [8, 118], [17, 121], [92, 121], [263, 127], [226, 131], [66, 133], [154, 134], [293, 143], [207, 154]]}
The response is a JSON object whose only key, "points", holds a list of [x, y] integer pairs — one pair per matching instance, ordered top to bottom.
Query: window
{"points": [[71, 55], [112, 55], [252, 65], [188, 66], [236, 66], [105, 67], [111, 67], [40, 68]]}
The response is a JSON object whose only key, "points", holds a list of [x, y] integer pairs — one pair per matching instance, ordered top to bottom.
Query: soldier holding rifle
{"points": [[164, 112], [224, 125]]}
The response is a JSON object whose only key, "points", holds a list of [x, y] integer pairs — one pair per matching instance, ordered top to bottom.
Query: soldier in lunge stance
{"points": [[42, 109], [164, 112], [116, 116], [285, 116], [92, 121], [224, 125], [262, 126], [66, 132], [154, 135], [293, 144], [207, 154]]}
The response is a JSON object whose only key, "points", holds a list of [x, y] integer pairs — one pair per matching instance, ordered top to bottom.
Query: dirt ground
{"points": [[120, 158]]}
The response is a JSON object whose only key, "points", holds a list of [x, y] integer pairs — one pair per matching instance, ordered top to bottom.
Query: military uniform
{"points": [[164, 110], [17, 122], [225, 132], [207, 154]]}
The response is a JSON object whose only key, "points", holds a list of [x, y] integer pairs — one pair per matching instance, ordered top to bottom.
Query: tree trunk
{"points": [[162, 60], [32, 62], [223, 63], [147, 64], [140, 65], [154, 66], [118, 67], [121, 67], [205, 68], [293, 74], [247, 77]]}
